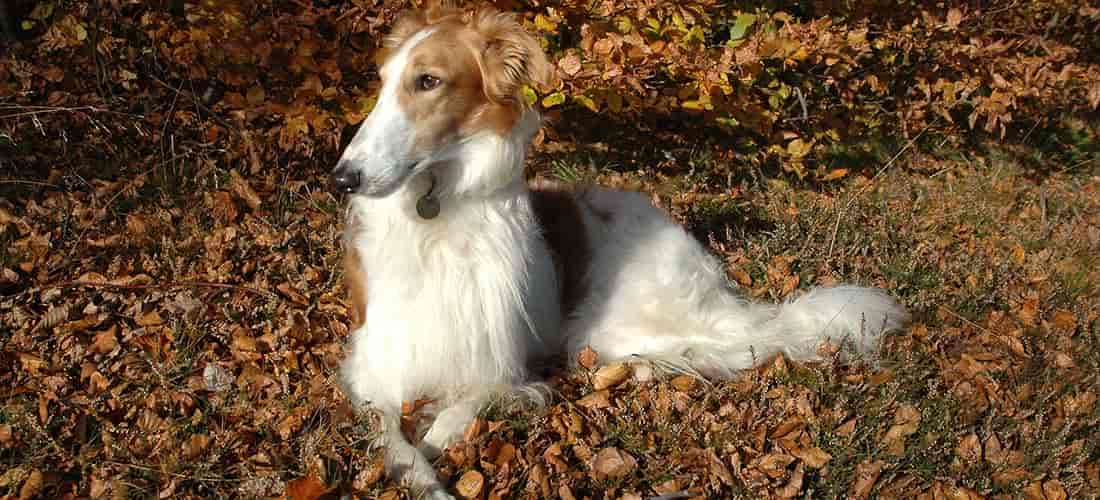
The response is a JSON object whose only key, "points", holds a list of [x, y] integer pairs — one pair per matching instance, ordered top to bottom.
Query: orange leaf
{"points": [[954, 18], [835, 174], [588, 358], [470, 484], [306, 488]]}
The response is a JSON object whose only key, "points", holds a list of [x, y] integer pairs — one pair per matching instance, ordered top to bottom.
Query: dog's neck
{"points": [[484, 169], [482, 172]]}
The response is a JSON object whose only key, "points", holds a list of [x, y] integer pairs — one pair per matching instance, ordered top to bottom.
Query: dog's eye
{"points": [[427, 82]]}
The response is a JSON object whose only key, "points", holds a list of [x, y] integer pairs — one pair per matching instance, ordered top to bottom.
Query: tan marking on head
{"points": [[481, 62], [559, 216], [355, 281]]}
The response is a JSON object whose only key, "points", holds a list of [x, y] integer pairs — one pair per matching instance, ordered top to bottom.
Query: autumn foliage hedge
{"points": [[790, 84]]}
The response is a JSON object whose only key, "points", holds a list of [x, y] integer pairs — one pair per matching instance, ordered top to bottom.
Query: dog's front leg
{"points": [[449, 426], [407, 465]]}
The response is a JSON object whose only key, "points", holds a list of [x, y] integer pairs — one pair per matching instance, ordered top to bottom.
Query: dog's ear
{"points": [[511, 57]]}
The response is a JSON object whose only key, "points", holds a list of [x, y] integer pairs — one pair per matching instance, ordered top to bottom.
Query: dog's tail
{"points": [[851, 317]]}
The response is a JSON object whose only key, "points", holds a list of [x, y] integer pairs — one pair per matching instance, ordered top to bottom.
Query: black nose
{"points": [[345, 179]]}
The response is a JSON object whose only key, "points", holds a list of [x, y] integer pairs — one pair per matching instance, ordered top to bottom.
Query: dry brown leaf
{"points": [[954, 18], [570, 64], [243, 190], [743, 278], [151, 318], [1063, 320], [105, 341], [588, 358], [1063, 361], [610, 376], [683, 383], [596, 400], [906, 421], [791, 424], [476, 428], [847, 428], [6, 436], [196, 446], [969, 449], [993, 451], [814, 458], [613, 463], [775, 464], [718, 468], [370, 475], [866, 475], [1009, 476], [538, 478], [470, 484], [32, 486], [793, 486], [306, 488], [1053, 490], [1034, 491]]}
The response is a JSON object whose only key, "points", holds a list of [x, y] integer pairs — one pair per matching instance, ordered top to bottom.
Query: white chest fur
{"points": [[455, 305]]}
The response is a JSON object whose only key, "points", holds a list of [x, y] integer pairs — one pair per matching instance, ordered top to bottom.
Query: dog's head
{"points": [[448, 77]]}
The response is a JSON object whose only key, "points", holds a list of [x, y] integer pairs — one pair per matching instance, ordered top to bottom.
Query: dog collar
{"points": [[427, 207]]}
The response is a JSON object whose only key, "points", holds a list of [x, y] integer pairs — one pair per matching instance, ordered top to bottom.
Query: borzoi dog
{"points": [[460, 273]]}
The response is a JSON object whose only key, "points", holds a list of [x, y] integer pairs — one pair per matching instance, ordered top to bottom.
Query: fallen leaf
{"points": [[954, 18], [570, 64], [243, 190], [151, 318], [1063, 320], [105, 341], [587, 358], [1063, 360], [610, 376], [683, 383], [597, 399], [906, 420], [476, 428], [195, 446], [969, 449], [815, 458], [613, 463], [775, 464], [370, 475], [866, 475], [470, 484], [794, 485], [32, 486], [306, 488], [1053, 490]]}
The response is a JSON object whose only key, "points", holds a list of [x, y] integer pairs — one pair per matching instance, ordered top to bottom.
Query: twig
{"points": [[198, 104], [1078, 164], [32, 183], [852, 198], [193, 284], [971, 323], [176, 474], [672, 496]]}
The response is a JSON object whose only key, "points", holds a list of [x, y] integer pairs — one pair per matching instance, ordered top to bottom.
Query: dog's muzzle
{"points": [[345, 179]]}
